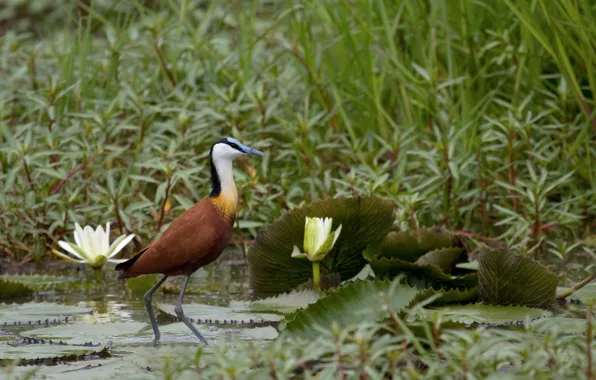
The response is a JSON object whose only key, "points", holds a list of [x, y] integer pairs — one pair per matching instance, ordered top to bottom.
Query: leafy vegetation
{"points": [[385, 115]]}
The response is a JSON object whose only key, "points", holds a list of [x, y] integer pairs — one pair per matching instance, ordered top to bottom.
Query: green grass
{"points": [[473, 115]]}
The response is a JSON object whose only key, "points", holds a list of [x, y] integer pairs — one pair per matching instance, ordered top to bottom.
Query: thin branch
{"points": [[77, 169]]}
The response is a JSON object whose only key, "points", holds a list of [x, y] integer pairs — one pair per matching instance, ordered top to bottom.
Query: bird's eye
{"points": [[235, 146]]}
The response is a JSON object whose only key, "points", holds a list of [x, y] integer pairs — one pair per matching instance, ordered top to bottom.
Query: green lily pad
{"points": [[364, 220], [409, 245], [444, 259], [422, 276], [505, 278], [41, 282], [10, 289], [362, 301], [283, 303], [37, 311], [201, 313], [482, 313], [179, 331], [79, 333], [39, 352], [105, 368]]}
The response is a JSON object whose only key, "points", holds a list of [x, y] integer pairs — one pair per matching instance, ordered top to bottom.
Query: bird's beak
{"points": [[253, 152]]}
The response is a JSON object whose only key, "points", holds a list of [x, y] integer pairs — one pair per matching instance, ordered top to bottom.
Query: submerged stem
{"points": [[316, 275], [576, 287]]}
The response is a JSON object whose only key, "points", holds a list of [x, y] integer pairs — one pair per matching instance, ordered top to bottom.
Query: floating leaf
{"points": [[364, 220], [409, 246], [444, 258], [422, 276], [505, 278], [40, 282], [10, 289], [362, 301], [283, 303], [35, 311], [201, 312], [482, 313], [180, 332], [79, 333], [45, 352], [105, 368]]}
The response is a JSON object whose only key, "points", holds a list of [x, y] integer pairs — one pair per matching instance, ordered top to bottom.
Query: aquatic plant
{"points": [[318, 241], [93, 247]]}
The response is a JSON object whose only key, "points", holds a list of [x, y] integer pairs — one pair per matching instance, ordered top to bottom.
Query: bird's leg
{"points": [[148, 297], [180, 313]]}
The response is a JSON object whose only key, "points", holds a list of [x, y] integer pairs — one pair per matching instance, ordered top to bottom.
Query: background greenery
{"points": [[475, 115]]}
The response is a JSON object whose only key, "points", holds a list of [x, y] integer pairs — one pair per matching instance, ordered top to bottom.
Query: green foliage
{"points": [[364, 220], [506, 278]]}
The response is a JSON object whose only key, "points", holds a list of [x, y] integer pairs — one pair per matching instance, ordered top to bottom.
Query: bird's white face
{"points": [[224, 152]]}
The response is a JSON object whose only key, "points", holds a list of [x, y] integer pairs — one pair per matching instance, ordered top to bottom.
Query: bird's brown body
{"points": [[193, 240]]}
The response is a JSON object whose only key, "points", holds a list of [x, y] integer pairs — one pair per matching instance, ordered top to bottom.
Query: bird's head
{"points": [[229, 148]]}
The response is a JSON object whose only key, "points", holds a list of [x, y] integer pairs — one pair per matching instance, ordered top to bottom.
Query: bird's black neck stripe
{"points": [[215, 182]]}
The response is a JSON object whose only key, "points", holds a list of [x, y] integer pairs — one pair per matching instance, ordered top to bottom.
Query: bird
{"points": [[197, 237]]}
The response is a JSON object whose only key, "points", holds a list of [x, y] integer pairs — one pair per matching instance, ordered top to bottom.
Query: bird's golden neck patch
{"points": [[226, 204]]}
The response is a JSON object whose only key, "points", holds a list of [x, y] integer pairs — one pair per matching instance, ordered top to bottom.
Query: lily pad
{"points": [[364, 220], [409, 245], [445, 258], [422, 276], [506, 278], [41, 282], [10, 289], [362, 301], [283, 303], [37, 311], [201, 313], [482, 313], [179, 331], [79, 333], [38, 353], [105, 368]]}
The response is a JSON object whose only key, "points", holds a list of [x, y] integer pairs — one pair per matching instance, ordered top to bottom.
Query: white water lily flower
{"points": [[318, 239], [93, 247]]}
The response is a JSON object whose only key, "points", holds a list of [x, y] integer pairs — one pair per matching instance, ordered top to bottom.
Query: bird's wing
{"points": [[190, 238]]}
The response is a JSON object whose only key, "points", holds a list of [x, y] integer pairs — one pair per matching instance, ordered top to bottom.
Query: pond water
{"points": [[111, 313]]}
